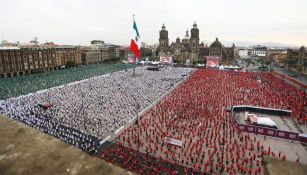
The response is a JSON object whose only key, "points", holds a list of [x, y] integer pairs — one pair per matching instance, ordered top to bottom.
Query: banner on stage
{"points": [[166, 59], [212, 61], [173, 141]]}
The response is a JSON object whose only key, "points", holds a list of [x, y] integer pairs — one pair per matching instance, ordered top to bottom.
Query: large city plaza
{"points": [[196, 113], [183, 123]]}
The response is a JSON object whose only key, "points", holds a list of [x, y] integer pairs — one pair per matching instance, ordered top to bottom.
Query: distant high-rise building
{"points": [[34, 41], [97, 42], [259, 50], [242, 53]]}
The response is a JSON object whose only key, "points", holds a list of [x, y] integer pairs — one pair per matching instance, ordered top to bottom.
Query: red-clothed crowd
{"points": [[196, 114]]}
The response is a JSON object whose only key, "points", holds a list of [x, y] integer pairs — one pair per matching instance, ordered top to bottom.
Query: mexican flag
{"points": [[135, 41]]}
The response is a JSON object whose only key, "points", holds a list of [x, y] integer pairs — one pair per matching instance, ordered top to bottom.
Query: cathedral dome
{"points": [[194, 25], [163, 27], [186, 37], [216, 43]]}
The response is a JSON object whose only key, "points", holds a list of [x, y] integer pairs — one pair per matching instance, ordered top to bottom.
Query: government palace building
{"points": [[189, 48]]}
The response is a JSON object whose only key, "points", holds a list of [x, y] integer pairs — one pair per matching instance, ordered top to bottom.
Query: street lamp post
{"points": [[135, 62], [138, 122]]}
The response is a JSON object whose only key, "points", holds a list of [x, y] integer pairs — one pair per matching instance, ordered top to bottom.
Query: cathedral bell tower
{"points": [[194, 40], [163, 41], [194, 43]]}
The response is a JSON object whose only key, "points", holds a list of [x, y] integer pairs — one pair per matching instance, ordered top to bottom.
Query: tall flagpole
{"points": [[134, 56], [137, 105]]}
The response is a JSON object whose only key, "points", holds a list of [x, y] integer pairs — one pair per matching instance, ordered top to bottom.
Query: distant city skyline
{"points": [[78, 22]]}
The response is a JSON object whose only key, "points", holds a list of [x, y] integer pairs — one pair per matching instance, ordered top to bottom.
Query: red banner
{"points": [[166, 59], [212, 61]]}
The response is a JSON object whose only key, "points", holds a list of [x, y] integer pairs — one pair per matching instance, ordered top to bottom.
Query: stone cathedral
{"points": [[190, 49]]}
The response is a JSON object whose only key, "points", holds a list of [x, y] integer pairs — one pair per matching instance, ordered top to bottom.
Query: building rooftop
{"points": [[186, 37], [216, 43], [111, 45], [65, 47], [260, 47], [9, 48]]}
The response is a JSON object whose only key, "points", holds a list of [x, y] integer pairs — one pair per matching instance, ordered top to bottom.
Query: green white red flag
{"points": [[135, 41]]}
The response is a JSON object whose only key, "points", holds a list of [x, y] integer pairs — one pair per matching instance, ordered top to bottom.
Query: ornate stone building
{"points": [[164, 48], [190, 48], [226, 54], [35, 57], [297, 60], [21, 61]]}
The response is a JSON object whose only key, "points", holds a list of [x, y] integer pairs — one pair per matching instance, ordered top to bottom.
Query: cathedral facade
{"points": [[190, 48]]}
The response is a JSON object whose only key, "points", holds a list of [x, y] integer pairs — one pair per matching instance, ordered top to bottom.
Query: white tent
{"points": [[266, 121]]}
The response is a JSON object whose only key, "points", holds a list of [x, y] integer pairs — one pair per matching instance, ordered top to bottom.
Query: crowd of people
{"points": [[13, 87], [85, 112], [196, 114]]}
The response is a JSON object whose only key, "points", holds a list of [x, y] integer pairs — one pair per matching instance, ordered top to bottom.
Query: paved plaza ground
{"points": [[300, 77], [24, 150], [293, 150], [27, 151], [275, 166]]}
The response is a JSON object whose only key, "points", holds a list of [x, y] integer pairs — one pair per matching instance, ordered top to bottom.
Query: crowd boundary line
{"points": [[134, 119]]}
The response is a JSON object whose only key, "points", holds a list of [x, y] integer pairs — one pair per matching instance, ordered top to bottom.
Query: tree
{"points": [[263, 61], [70, 63]]}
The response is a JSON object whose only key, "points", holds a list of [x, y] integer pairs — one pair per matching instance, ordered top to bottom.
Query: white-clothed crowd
{"points": [[85, 112]]}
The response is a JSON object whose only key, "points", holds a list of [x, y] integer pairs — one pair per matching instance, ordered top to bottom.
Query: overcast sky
{"points": [[80, 21]]}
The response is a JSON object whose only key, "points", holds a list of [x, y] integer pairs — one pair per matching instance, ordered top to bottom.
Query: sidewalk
{"points": [[298, 77], [295, 79]]}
